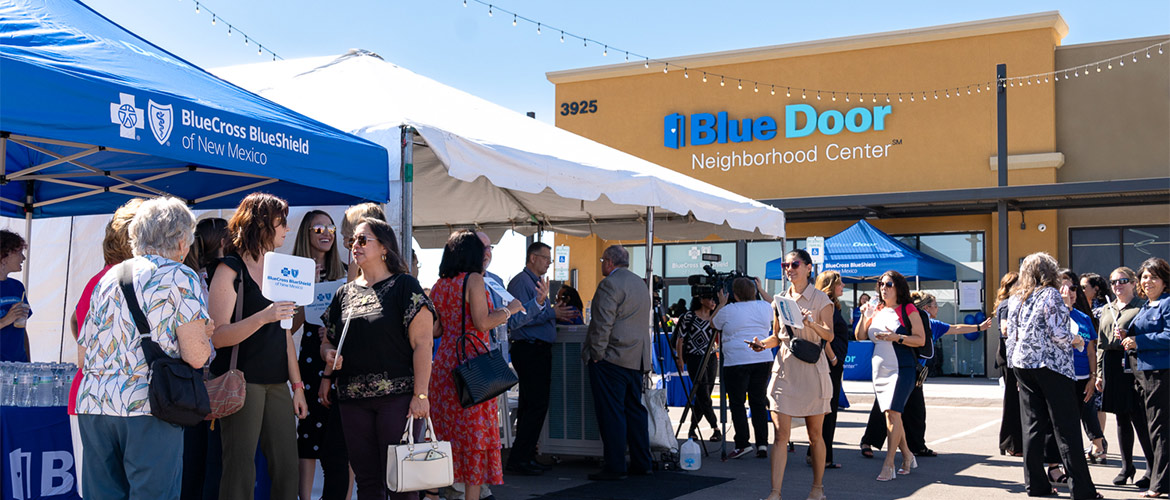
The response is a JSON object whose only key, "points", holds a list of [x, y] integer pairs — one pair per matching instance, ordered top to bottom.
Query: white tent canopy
{"points": [[477, 164]]}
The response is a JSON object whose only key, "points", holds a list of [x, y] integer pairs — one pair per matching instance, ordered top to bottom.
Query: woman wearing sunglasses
{"points": [[317, 239], [895, 327], [1148, 344], [265, 353], [384, 367], [1119, 395]]}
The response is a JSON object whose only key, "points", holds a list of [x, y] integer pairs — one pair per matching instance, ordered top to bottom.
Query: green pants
{"points": [[266, 418]]}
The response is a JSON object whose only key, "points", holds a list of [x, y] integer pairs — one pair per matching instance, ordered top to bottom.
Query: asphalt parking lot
{"points": [[963, 427]]}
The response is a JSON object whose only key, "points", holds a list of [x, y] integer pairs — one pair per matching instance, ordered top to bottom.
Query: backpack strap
{"points": [[236, 264], [150, 348]]}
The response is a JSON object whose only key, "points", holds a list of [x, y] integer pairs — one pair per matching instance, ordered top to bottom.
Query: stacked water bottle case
{"points": [[35, 384]]}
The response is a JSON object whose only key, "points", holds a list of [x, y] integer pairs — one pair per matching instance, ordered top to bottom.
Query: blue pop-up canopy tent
{"points": [[91, 114], [862, 253]]}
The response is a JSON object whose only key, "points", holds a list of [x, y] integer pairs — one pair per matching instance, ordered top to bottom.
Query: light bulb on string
{"points": [[465, 4], [197, 11], [490, 11], [213, 19], [513, 19], [537, 28], [229, 30], [562, 37], [245, 40], [585, 42], [259, 49], [1159, 49], [605, 51], [1147, 53], [1134, 56], [627, 57], [1121, 61], [647, 63], [1110, 66], [1098, 67], [665, 68], [1077, 73], [685, 75], [704, 77], [1045, 78], [721, 81], [1011, 83], [739, 86], [756, 88], [773, 90], [968, 90], [788, 92], [948, 93], [936, 94], [924, 95], [834, 97], [846, 97], [887, 97], [911, 97], [874, 98], [900, 98]]}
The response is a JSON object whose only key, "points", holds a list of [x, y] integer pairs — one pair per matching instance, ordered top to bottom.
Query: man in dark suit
{"points": [[617, 353]]}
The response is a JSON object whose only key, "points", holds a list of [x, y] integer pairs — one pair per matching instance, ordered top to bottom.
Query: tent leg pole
{"points": [[407, 175], [28, 231], [650, 258], [917, 284]]}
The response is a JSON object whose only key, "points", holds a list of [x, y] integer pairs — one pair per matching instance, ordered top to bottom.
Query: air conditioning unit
{"points": [[571, 427]]}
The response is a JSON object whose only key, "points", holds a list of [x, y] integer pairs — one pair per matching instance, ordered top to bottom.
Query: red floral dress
{"points": [[474, 432]]}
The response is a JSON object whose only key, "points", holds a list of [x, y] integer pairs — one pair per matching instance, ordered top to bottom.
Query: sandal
{"points": [[716, 436], [866, 451], [832, 465], [887, 474], [1060, 476], [817, 493], [1150, 494], [774, 495]]}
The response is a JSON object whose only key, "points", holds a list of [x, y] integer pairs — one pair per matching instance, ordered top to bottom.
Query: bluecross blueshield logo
{"points": [[126, 115], [161, 123], [286, 272]]}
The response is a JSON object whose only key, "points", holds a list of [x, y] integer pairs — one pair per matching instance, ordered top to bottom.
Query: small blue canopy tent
{"points": [[91, 114], [862, 253]]}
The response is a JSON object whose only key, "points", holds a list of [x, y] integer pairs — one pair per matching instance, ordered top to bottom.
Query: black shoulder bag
{"points": [[804, 350], [920, 371], [485, 376], [177, 394]]}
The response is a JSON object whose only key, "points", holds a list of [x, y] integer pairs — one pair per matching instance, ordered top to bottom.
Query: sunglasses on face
{"points": [[321, 228], [361, 240], [790, 265], [1119, 281], [886, 284]]}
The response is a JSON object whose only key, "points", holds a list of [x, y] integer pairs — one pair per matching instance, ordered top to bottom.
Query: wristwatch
{"points": [[901, 338], [421, 396]]}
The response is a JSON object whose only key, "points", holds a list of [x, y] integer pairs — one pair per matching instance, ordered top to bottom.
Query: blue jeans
{"points": [[131, 457]]}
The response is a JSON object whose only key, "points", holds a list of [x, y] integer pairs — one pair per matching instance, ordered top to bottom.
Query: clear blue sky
{"points": [[486, 56]]}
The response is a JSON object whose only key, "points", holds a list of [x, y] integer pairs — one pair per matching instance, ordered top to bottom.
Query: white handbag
{"points": [[419, 466]]}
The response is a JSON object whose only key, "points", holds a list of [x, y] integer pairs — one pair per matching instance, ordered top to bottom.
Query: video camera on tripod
{"points": [[708, 285]]}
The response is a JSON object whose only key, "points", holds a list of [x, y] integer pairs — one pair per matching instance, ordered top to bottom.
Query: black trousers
{"points": [[533, 363], [752, 380], [703, 385], [1154, 387], [1048, 405], [1088, 412], [621, 418], [913, 423], [1131, 424], [829, 428], [1011, 437], [334, 456], [202, 462]]}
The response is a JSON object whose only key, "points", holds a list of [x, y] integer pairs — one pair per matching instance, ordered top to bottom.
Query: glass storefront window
{"points": [[1102, 249], [758, 255], [686, 259], [638, 260]]}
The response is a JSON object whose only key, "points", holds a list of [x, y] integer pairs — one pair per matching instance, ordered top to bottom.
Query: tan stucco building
{"points": [[885, 149]]}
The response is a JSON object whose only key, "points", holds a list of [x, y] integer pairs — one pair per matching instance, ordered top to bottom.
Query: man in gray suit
{"points": [[617, 353]]}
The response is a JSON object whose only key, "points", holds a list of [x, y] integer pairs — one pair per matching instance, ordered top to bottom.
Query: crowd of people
{"points": [[1074, 349]]}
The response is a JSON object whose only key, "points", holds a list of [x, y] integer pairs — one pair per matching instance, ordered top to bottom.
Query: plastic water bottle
{"points": [[7, 383], [24, 385], [690, 455]]}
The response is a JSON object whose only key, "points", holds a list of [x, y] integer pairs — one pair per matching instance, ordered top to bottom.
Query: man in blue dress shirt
{"points": [[532, 335]]}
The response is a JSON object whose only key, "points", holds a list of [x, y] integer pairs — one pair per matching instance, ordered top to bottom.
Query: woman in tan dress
{"points": [[799, 388]]}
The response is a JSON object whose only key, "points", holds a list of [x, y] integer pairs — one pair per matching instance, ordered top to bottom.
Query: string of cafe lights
{"points": [[200, 8], [653, 64]]}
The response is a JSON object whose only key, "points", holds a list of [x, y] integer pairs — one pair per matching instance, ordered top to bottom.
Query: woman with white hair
{"points": [[1040, 352], [128, 452]]}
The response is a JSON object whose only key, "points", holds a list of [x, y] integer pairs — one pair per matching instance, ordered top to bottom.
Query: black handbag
{"points": [[804, 350], [485, 376], [177, 394]]}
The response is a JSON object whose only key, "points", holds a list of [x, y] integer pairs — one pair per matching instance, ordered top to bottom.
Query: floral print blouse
{"points": [[1037, 332]]}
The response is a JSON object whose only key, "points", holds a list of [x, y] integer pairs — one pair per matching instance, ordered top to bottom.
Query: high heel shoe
{"points": [[1101, 456], [904, 470], [887, 474], [1123, 477], [817, 493], [774, 495]]}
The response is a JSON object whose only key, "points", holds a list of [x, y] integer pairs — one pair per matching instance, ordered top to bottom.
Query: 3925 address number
{"points": [[578, 107]]}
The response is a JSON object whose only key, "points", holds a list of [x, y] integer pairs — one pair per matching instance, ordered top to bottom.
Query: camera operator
{"points": [[693, 338], [746, 372]]}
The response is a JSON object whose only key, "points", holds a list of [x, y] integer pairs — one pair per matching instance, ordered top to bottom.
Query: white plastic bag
{"points": [[661, 432]]}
